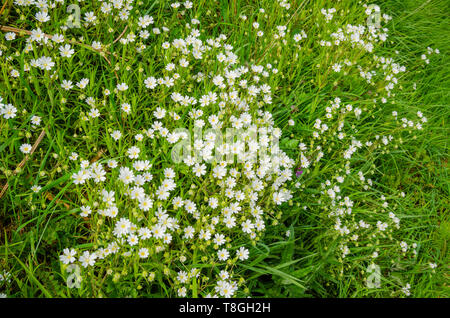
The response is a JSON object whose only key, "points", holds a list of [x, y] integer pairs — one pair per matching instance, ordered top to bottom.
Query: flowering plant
{"points": [[181, 156]]}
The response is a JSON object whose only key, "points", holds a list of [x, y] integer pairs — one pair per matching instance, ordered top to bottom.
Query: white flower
{"points": [[42, 16], [89, 17], [37, 35], [9, 36], [96, 45], [45, 63], [337, 67], [150, 82], [83, 83], [67, 85], [8, 111], [159, 113], [36, 120], [116, 134], [133, 152], [36, 188], [85, 211], [247, 226], [122, 227], [158, 231], [189, 232], [132, 240], [223, 254], [68, 256], [87, 259], [406, 291]]}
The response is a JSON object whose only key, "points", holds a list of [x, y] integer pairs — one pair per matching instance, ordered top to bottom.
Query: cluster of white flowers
{"points": [[239, 185]]}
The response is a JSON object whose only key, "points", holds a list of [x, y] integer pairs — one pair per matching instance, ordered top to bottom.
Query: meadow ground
{"points": [[92, 203]]}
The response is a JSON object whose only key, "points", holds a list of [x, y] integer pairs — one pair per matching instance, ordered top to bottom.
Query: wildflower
{"points": [[89, 17], [37, 35], [9, 36], [96, 45], [66, 51], [45, 63], [337, 67], [14, 73], [150, 82], [83, 83], [67, 85], [122, 87], [126, 107], [9, 111], [36, 120], [116, 135], [25, 148], [133, 152], [73, 156], [199, 170], [169, 173], [126, 175], [36, 188], [85, 211], [247, 226], [122, 227], [158, 231], [189, 232], [145, 233], [204, 235], [132, 239], [219, 239], [404, 246], [242, 253], [68, 256], [87, 259], [182, 277], [406, 290]]}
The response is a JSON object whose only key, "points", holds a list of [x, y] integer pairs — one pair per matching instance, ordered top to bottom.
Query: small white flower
{"points": [[25, 148]]}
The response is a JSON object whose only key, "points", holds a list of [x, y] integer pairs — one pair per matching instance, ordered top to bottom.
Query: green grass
{"points": [[35, 228]]}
